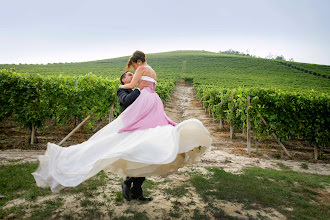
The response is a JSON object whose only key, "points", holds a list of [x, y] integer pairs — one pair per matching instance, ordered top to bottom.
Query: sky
{"points": [[41, 31]]}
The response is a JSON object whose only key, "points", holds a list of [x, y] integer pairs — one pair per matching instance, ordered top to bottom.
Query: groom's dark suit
{"points": [[126, 97]]}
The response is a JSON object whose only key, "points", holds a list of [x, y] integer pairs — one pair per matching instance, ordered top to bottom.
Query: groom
{"points": [[126, 97]]}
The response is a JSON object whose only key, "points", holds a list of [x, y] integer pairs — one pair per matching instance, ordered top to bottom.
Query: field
{"points": [[210, 68], [228, 183]]}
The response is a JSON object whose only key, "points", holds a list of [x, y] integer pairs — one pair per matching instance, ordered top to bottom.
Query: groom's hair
{"points": [[122, 77]]}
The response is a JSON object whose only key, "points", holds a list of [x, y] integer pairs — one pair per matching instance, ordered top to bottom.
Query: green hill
{"points": [[203, 67], [293, 98]]}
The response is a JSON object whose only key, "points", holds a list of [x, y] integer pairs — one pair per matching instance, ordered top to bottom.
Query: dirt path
{"points": [[225, 153]]}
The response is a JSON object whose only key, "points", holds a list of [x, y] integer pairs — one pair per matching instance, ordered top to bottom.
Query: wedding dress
{"points": [[141, 142]]}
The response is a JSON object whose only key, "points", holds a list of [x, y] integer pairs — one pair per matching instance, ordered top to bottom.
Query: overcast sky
{"points": [[41, 31]]}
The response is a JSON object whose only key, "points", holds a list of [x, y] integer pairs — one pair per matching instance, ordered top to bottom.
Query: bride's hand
{"points": [[121, 86]]}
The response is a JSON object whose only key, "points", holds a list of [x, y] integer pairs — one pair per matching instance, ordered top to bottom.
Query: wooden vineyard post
{"points": [[111, 108], [209, 108], [111, 113], [221, 123], [248, 126], [34, 128], [74, 130], [33, 134], [232, 134], [274, 135], [316, 153]]}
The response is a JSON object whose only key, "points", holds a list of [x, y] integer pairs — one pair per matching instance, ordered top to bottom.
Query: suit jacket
{"points": [[127, 96]]}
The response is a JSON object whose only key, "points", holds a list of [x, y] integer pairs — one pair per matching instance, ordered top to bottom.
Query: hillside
{"points": [[206, 67]]}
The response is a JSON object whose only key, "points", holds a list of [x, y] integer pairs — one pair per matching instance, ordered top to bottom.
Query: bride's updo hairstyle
{"points": [[137, 55]]}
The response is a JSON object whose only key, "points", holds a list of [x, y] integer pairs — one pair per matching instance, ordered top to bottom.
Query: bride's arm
{"points": [[136, 78]]}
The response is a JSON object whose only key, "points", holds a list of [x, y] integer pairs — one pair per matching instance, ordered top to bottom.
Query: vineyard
{"points": [[293, 98]]}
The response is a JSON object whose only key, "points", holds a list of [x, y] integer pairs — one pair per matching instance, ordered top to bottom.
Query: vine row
{"points": [[32, 99], [290, 114]]}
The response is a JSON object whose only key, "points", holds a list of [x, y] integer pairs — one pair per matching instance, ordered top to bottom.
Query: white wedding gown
{"points": [[156, 151]]}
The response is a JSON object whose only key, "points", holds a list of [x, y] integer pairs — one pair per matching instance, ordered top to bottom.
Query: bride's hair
{"points": [[137, 55]]}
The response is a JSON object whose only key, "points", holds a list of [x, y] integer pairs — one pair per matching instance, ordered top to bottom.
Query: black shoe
{"points": [[126, 191], [141, 198]]}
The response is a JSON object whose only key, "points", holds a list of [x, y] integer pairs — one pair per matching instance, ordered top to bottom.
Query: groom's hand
{"points": [[142, 84]]}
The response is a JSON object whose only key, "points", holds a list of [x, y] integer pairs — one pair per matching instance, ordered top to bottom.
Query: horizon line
{"points": [[116, 57]]}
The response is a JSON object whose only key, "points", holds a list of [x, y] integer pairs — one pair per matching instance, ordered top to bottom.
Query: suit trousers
{"points": [[136, 190]]}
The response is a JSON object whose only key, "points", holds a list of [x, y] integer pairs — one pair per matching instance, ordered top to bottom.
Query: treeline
{"points": [[235, 52], [238, 53]]}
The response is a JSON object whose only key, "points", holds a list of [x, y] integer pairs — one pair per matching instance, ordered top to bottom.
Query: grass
{"points": [[277, 155], [14, 160], [283, 166], [304, 166], [17, 182], [90, 187], [147, 187], [255, 188], [267, 188], [177, 191], [119, 196], [85, 203], [45, 210], [14, 211], [175, 212], [91, 213], [198, 215], [136, 216]]}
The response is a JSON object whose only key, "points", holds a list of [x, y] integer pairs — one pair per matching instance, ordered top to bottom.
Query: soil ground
{"points": [[228, 154]]}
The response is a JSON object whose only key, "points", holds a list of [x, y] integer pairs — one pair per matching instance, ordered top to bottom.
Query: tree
{"points": [[279, 57]]}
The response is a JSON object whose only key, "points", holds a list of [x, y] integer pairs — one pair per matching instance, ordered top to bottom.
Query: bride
{"points": [[141, 142]]}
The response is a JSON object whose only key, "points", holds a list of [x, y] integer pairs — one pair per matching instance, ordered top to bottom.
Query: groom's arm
{"points": [[126, 98]]}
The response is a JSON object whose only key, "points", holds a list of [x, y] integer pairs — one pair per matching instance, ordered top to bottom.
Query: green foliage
{"points": [[235, 52], [312, 69], [292, 97], [32, 98], [290, 114]]}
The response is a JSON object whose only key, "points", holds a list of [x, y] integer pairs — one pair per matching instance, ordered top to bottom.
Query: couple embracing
{"points": [[142, 141]]}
